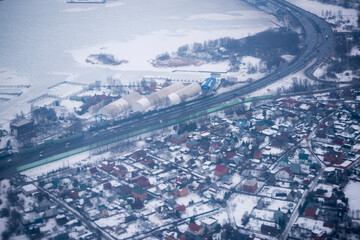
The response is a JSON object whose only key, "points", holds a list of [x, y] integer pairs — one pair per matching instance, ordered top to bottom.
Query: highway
{"points": [[318, 43]]}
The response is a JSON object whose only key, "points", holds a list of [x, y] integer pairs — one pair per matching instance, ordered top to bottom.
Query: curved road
{"points": [[317, 44]]}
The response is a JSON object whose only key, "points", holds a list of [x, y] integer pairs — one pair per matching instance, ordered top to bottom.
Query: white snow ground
{"points": [[352, 192]]}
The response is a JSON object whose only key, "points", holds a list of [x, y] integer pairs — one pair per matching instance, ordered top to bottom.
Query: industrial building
{"points": [[209, 84], [171, 95], [120, 106], [22, 128]]}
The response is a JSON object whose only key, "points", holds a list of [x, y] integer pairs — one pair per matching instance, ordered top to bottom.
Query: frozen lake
{"points": [[43, 42]]}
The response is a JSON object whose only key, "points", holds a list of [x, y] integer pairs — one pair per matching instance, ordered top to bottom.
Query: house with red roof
{"points": [[290, 103], [249, 114], [178, 139], [338, 141], [192, 144], [214, 147], [139, 154], [230, 154], [257, 154], [333, 157], [148, 161], [107, 166], [221, 170], [120, 171], [283, 174], [143, 181], [250, 185], [181, 192], [74, 194], [181, 208], [311, 210], [196, 229]]}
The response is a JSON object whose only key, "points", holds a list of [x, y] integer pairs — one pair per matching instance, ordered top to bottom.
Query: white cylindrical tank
{"points": [[170, 89], [190, 90], [183, 93], [132, 97], [153, 99], [173, 99], [142, 105], [119, 106]]}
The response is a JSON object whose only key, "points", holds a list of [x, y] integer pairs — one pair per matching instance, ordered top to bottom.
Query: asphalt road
{"points": [[318, 43]]}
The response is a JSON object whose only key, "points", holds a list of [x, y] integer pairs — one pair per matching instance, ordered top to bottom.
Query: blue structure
{"points": [[209, 84], [99, 118]]}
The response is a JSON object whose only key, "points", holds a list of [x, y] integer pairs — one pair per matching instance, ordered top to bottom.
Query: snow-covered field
{"points": [[44, 53], [352, 192], [240, 205]]}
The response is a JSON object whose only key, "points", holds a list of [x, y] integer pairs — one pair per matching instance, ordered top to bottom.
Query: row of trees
{"points": [[268, 46], [343, 61]]}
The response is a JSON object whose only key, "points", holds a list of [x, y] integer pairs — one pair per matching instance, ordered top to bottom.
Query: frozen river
{"points": [[43, 42]]}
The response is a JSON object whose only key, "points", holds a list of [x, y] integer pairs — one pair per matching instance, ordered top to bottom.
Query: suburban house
{"points": [[260, 125], [178, 139], [338, 141], [192, 144], [140, 154], [257, 154], [303, 156], [333, 157], [148, 161], [107, 166], [295, 168], [221, 170], [91, 171], [120, 171], [283, 174], [143, 181], [250, 185], [107, 186], [29, 189], [124, 190], [181, 192], [139, 193], [74, 194], [181, 208], [311, 210], [103, 212], [278, 216], [209, 224], [196, 229], [269, 230]]}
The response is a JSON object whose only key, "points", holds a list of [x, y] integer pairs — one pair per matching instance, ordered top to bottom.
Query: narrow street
{"points": [[295, 214], [92, 226]]}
